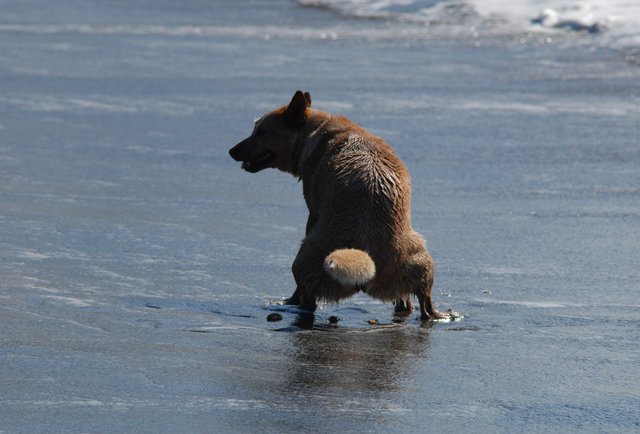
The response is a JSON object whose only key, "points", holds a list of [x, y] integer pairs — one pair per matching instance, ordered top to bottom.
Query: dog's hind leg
{"points": [[418, 275], [428, 309]]}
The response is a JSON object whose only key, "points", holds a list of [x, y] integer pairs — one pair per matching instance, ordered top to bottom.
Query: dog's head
{"points": [[273, 138]]}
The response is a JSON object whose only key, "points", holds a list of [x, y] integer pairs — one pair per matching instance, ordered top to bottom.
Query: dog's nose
{"points": [[240, 151], [234, 153]]}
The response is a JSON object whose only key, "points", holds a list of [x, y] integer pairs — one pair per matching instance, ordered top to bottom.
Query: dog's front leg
{"points": [[311, 222], [302, 296], [295, 298], [305, 301], [403, 306]]}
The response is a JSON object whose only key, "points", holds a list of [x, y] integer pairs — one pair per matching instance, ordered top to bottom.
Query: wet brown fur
{"points": [[358, 194]]}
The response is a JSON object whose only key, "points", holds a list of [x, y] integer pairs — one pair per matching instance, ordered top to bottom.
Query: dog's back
{"points": [[360, 192]]}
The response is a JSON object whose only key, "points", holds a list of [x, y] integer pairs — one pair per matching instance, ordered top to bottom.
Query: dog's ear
{"points": [[307, 98], [296, 111]]}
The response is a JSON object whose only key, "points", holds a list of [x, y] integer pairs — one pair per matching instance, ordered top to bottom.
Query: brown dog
{"points": [[359, 235]]}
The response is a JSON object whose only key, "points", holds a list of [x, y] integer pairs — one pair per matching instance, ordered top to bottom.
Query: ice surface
{"points": [[138, 263]]}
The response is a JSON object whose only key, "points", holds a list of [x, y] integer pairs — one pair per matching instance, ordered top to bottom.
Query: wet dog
{"points": [[358, 235]]}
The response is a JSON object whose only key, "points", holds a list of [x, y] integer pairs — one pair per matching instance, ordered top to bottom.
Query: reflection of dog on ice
{"points": [[359, 235]]}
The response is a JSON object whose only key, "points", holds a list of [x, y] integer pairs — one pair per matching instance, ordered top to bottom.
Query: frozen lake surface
{"points": [[138, 263]]}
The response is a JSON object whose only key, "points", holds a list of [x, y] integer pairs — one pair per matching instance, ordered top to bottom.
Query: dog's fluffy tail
{"points": [[350, 267]]}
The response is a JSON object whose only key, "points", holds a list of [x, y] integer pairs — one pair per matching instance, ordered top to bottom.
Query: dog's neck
{"points": [[308, 139]]}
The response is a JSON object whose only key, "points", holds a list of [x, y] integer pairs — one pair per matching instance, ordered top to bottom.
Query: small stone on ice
{"points": [[274, 317], [333, 319], [373, 321]]}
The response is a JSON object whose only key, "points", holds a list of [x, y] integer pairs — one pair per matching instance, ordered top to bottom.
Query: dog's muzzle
{"points": [[252, 161]]}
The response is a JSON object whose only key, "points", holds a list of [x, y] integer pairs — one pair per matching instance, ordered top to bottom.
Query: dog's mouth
{"points": [[260, 162]]}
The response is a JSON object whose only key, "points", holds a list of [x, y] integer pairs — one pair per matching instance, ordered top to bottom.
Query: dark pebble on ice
{"points": [[274, 317], [333, 319]]}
